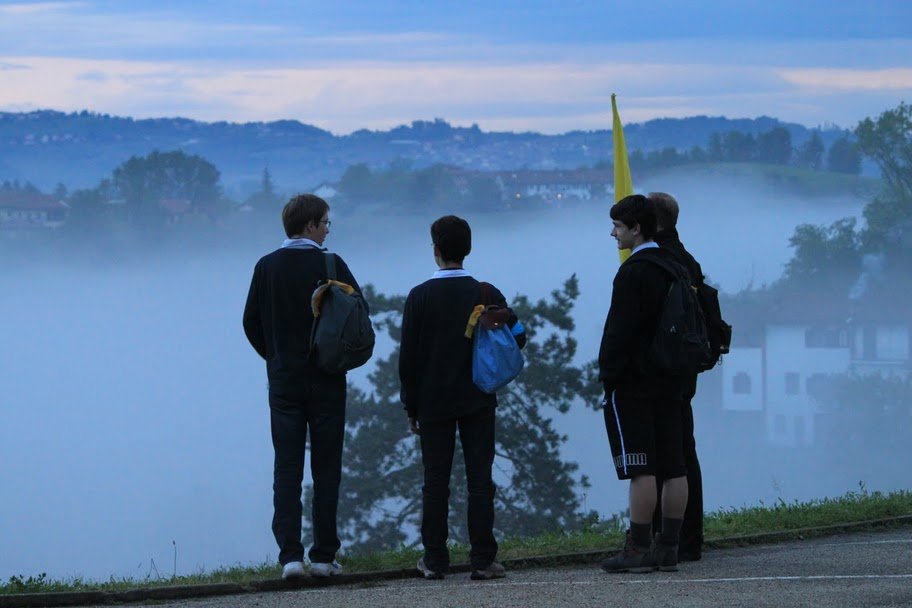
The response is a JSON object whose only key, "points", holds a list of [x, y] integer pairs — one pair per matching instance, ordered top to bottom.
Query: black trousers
{"points": [[319, 410], [438, 443], [692, 529]]}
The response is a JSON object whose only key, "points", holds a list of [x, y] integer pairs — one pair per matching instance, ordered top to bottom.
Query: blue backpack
{"points": [[496, 357]]}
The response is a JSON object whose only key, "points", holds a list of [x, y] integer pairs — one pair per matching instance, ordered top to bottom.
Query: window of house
{"points": [[826, 337], [892, 342], [792, 383], [741, 384], [815, 385], [780, 424], [800, 438]]}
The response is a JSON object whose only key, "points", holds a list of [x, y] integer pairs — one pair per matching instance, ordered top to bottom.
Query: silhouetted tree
{"points": [[774, 146], [738, 147], [810, 155], [844, 157], [144, 182], [357, 183], [265, 200], [888, 218], [823, 253]]}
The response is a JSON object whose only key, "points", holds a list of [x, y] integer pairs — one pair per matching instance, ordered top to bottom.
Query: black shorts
{"points": [[645, 430]]}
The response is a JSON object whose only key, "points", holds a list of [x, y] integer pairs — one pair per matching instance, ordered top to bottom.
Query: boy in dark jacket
{"points": [[277, 320], [435, 372], [641, 406], [691, 545]]}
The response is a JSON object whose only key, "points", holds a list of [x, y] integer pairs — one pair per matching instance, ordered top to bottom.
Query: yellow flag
{"points": [[623, 183]]}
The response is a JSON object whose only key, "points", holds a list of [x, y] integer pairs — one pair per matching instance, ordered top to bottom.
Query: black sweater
{"points": [[671, 242], [637, 299], [278, 316], [435, 359]]}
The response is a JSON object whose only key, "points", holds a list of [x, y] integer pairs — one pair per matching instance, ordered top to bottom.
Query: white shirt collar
{"points": [[300, 244], [646, 245], [449, 273]]}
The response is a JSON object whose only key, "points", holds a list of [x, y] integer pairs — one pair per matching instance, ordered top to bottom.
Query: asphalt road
{"points": [[860, 569]]}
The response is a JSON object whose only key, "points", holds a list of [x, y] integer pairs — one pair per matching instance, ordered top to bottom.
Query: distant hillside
{"points": [[80, 149]]}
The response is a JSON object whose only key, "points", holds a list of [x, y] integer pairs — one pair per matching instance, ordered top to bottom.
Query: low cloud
{"points": [[32, 8], [893, 79], [547, 96]]}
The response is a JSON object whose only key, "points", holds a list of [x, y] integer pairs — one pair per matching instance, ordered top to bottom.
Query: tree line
{"points": [[774, 147], [149, 192]]}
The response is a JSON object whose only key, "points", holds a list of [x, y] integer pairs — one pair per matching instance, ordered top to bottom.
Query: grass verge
{"points": [[720, 525]]}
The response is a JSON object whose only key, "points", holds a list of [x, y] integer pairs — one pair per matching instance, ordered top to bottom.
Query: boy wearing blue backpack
{"points": [[440, 396], [642, 404]]}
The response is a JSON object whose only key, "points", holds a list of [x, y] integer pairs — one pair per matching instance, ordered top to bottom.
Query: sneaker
{"points": [[666, 556], [630, 559], [325, 569], [292, 570], [494, 570], [427, 572]]}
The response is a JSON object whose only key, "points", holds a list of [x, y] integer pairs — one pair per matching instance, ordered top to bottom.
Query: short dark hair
{"points": [[636, 209], [666, 209], [302, 210], [452, 237]]}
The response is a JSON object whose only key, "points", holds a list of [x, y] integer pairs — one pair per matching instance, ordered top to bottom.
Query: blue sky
{"points": [[504, 65]]}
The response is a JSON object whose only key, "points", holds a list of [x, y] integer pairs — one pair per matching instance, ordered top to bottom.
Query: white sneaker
{"points": [[327, 569], [292, 570]]}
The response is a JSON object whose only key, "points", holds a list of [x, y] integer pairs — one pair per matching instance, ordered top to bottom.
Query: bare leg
{"points": [[643, 498], [674, 498]]}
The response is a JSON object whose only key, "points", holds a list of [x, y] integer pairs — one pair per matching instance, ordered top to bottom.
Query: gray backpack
{"points": [[342, 337]]}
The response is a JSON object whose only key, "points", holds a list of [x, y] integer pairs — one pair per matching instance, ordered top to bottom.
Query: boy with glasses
{"points": [[302, 398]]}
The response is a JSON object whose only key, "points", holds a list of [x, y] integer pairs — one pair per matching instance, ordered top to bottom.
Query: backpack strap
{"points": [[330, 260], [673, 269], [484, 291]]}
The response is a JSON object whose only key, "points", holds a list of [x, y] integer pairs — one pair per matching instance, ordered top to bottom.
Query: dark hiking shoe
{"points": [[690, 552], [689, 555], [666, 556], [631, 559], [494, 570], [427, 572]]}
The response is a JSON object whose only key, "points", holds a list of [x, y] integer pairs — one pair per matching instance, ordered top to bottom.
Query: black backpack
{"points": [[718, 331], [342, 337], [681, 344]]}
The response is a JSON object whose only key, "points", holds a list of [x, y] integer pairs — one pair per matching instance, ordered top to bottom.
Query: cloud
{"points": [[32, 8], [93, 75], [892, 79], [504, 93]]}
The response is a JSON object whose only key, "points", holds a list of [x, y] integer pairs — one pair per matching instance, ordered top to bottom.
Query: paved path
{"points": [[861, 569]]}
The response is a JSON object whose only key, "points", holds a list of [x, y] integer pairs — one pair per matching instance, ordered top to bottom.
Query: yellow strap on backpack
{"points": [[473, 320]]}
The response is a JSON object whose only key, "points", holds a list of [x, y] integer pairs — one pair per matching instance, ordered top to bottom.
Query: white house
{"points": [[799, 344]]}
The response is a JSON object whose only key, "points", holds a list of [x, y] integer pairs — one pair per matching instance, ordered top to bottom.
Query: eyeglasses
{"points": [[327, 222]]}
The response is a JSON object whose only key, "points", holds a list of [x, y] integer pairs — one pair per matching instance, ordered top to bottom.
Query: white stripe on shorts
{"points": [[620, 432]]}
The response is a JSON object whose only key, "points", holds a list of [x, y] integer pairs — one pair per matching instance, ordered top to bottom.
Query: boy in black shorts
{"points": [[642, 407]]}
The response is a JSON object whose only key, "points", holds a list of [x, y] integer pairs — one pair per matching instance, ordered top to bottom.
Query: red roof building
{"points": [[24, 210]]}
